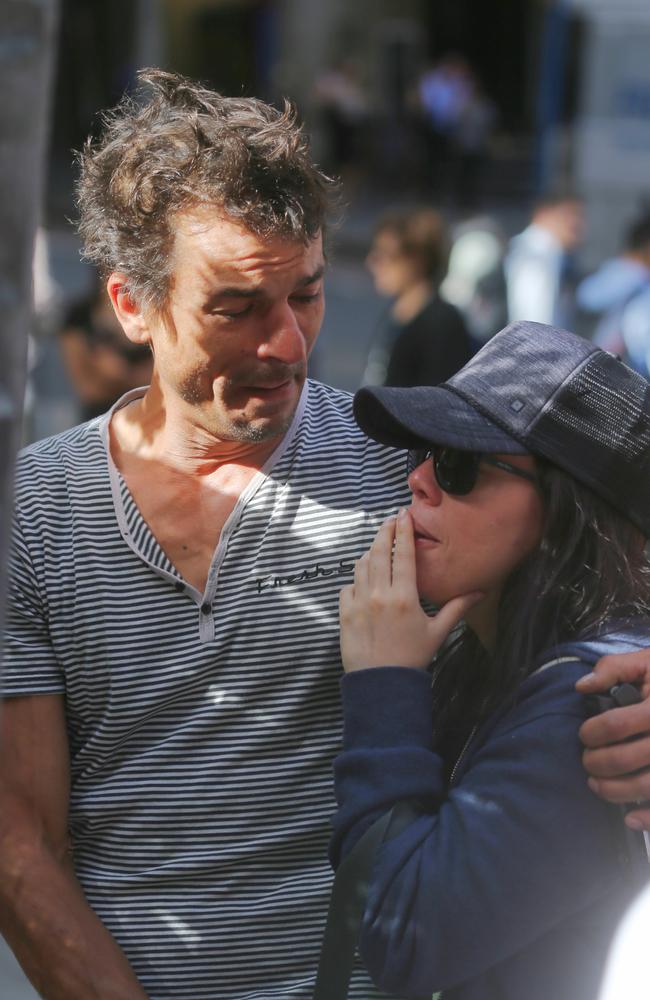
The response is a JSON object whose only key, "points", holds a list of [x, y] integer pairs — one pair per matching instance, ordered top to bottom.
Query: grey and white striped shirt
{"points": [[202, 726]]}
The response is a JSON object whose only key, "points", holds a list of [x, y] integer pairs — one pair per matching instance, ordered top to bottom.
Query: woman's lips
{"points": [[421, 535]]}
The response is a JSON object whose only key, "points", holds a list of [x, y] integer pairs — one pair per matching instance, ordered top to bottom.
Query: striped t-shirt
{"points": [[202, 727]]}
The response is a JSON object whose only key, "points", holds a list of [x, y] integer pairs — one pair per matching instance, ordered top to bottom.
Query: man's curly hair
{"points": [[186, 146]]}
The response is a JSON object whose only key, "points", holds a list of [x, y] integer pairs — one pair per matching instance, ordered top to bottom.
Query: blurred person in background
{"points": [[444, 90], [341, 103], [471, 141], [540, 265], [475, 282], [620, 291], [47, 309], [423, 339], [101, 362]]}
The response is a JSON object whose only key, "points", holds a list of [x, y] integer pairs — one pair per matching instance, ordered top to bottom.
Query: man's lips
{"points": [[269, 381], [271, 385], [277, 389]]}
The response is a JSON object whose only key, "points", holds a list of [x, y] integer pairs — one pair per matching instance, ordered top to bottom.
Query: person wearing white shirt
{"points": [[539, 263]]}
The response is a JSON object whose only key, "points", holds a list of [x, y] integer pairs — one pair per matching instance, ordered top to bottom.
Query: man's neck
{"points": [[149, 431]]}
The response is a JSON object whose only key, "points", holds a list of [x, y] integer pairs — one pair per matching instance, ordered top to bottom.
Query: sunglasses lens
{"points": [[456, 471]]}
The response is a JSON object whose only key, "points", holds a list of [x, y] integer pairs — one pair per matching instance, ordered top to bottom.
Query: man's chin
{"points": [[268, 412], [263, 422], [261, 429]]}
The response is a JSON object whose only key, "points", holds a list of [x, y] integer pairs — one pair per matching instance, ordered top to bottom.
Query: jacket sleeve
{"points": [[516, 846]]}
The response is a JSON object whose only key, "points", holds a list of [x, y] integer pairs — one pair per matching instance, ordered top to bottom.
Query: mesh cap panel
{"points": [[517, 372], [597, 427]]}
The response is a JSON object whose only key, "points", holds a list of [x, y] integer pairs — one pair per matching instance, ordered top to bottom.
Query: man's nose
{"points": [[284, 340]]}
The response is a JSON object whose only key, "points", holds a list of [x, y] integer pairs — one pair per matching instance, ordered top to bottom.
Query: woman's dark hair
{"points": [[589, 570]]}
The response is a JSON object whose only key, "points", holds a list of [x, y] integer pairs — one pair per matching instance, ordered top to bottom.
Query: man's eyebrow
{"points": [[311, 278], [230, 292], [233, 292], [237, 292]]}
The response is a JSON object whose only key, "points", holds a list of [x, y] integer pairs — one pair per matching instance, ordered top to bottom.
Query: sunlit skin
{"points": [[231, 347], [230, 360], [474, 542]]}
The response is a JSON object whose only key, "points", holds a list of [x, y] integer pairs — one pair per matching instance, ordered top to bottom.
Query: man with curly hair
{"points": [[171, 662]]}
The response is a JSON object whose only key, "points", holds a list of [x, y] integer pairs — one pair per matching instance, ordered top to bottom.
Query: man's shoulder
{"points": [[326, 399], [329, 419], [332, 442], [75, 452]]}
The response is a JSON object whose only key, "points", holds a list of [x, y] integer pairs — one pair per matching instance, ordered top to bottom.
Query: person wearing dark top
{"points": [[423, 340], [101, 362]]}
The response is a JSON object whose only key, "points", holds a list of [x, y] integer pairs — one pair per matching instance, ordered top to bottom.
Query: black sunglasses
{"points": [[456, 471]]}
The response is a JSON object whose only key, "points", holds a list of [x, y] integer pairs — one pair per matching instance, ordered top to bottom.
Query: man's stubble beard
{"points": [[193, 392]]}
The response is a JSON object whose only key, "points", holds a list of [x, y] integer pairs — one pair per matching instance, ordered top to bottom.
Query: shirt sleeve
{"points": [[29, 665], [450, 896]]}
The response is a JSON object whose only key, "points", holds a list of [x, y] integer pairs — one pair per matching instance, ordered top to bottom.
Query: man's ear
{"points": [[131, 317]]}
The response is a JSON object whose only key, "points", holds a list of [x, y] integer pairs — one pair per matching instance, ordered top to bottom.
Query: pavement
{"points": [[13, 985]]}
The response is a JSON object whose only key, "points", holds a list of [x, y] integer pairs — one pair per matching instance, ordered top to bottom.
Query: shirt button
{"points": [[179, 586], [206, 609]]}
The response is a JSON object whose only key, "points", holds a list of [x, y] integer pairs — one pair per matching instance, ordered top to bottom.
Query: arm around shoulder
{"points": [[617, 743]]}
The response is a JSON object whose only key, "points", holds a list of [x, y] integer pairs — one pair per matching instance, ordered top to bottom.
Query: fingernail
{"points": [[401, 513], [586, 680], [593, 784], [633, 823]]}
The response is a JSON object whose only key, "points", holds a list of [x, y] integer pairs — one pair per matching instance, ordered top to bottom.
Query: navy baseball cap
{"points": [[533, 389]]}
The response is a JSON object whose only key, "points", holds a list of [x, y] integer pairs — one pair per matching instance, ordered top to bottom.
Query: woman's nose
{"points": [[423, 484]]}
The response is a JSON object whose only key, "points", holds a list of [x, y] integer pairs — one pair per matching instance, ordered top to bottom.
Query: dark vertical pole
{"points": [[26, 57]]}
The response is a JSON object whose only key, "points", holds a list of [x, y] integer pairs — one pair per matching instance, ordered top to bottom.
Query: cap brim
{"points": [[411, 418]]}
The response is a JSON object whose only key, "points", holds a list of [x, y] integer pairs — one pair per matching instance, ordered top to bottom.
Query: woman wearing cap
{"points": [[531, 501]]}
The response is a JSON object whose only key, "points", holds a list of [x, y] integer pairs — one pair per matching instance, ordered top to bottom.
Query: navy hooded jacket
{"points": [[510, 883]]}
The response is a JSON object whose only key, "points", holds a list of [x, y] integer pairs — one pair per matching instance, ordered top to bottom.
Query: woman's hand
{"points": [[382, 622]]}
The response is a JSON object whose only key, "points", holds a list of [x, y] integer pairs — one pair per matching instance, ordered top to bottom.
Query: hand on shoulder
{"points": [[617, 742]]}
